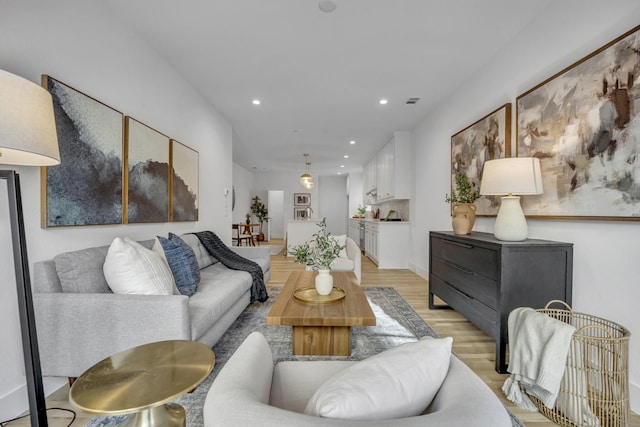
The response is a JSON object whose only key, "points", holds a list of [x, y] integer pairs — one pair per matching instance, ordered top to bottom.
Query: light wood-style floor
{"points": [[470, 344]]}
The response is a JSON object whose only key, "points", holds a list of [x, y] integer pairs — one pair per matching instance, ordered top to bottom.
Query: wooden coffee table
{"points": [[322, 328], [141, 380]]}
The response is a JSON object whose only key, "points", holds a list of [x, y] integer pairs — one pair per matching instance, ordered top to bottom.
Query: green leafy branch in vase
{"points": [[464, 192]]}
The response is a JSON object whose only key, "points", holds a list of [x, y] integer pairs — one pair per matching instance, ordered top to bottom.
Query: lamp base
{"points": [[511, 225]]}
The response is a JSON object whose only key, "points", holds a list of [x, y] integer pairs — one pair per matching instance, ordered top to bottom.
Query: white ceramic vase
{"points": [[324, 282]]}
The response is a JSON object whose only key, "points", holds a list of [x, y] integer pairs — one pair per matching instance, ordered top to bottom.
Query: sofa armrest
{"points": [[251, 252], [355, 255], [76, 330]]}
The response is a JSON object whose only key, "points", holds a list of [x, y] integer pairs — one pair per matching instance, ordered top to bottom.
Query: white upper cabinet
{"points": [[393, 170], [369, 182]]}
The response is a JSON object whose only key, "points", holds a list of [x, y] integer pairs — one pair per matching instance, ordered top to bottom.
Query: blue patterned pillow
{"points": [[182, 262]]}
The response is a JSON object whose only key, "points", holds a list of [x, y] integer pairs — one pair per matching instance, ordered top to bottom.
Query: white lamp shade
{"points": [[27, 125], [514, 175]]}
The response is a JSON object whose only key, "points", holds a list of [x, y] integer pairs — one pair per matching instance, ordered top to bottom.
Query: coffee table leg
{"points": [[321, 340], [169, 415]]}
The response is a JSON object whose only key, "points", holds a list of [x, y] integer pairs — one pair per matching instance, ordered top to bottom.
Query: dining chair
{"points": [[238, 237]]}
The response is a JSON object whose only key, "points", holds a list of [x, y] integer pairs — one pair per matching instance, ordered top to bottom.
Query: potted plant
{"points": [[464, 209], [261, 212], [248, 216], [318, 254]]}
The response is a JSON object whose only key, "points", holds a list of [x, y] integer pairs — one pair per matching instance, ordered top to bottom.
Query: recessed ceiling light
{"points": [[327, 5], [383, 101], [256, 102], [352, 142], [346, 156], [341, 166], [339, 173]]}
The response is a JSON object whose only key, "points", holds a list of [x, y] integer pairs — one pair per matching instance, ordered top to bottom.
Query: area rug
{"points": [[397, 323]]}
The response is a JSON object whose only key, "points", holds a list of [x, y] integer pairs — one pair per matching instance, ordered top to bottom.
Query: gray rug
{"points": [[397, 323]]}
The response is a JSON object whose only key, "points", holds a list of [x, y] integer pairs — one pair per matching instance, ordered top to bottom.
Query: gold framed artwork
{"points": [[583, 123], [487, 139], [146, 173], [184, 182], [86, 187], [302, 199], [299, 214]]}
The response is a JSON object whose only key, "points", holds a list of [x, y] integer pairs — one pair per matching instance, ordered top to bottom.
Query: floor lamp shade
{"points": [[27, 124], [28, 138], [511, 178]]}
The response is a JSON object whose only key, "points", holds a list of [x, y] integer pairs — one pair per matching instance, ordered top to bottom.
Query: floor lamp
{"points": [[27, 138]]}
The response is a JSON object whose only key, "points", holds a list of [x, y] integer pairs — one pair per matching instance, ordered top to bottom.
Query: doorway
{"points": [[275, 205]]}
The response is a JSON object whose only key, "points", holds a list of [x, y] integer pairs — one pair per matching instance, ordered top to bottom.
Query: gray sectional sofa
{"points": [[80, 321]]}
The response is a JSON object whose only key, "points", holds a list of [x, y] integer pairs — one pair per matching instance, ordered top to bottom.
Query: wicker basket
{"points": [[596, 378]]}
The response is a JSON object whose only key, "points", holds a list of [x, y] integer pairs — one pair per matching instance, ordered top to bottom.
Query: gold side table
{"points": [[140, 381]]}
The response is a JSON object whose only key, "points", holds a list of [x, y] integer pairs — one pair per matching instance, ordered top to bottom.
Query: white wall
{"points": [[83, 45], [289, 182], [243, 184], [333, 204], [605, 280]]}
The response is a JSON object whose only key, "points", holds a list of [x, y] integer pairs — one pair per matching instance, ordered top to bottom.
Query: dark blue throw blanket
{"points": [[232, 260]]}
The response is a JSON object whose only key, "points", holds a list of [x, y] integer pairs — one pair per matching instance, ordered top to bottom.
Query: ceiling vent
{"points": [[412, 101]]}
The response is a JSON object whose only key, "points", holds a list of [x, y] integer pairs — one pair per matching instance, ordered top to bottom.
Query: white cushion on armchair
{"points": [[353, 261]]}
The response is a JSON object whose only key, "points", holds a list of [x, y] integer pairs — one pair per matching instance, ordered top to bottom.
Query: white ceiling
{"points": [[320, 75]]}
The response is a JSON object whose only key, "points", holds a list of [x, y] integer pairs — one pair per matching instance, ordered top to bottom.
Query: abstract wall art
{"points": [[583, 124], [487, 139], [147, 173], [184, 183], [86, 188]]}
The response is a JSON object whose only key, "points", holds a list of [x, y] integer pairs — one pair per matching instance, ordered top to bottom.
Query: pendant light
{"points": [[305, 179]]}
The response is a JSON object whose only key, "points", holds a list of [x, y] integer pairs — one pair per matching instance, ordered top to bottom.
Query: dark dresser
{"points": [[484, 278]]}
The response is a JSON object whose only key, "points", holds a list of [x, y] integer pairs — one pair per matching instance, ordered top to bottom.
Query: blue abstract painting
{"points": [[147, 173], [184, 182], [86, 188]]}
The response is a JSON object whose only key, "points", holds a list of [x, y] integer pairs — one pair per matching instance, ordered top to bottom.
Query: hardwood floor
{"points": [[470, 344]]}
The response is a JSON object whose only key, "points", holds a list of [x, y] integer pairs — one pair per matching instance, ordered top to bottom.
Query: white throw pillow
{"points": [[342, 241], [130, 268], [397, 383]]}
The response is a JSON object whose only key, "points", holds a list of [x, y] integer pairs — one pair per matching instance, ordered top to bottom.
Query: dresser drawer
{"points": [[467, 257], [479, 287], [477, 313]]}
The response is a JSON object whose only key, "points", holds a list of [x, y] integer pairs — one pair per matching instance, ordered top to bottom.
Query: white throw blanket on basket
{"points": [[538, 347]]}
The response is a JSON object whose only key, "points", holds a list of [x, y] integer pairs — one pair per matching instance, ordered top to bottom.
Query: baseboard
{"points": [[419, 271], [15, 403]]}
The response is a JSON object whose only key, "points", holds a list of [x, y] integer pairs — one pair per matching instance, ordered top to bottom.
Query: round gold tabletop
{"points": [[142, 377]]}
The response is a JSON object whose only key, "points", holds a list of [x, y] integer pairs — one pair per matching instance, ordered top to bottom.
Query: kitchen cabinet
{"points": [[393, 168], [369, 182], [354, 230], [371, 240], [387, 243], [484, 278]]}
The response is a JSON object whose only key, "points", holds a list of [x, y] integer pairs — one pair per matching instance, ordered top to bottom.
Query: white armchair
{"points": [[353, 262], [250, 390]]}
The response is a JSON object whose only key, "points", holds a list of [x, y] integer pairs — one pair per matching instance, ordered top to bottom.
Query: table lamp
{"points": [[27, 138], [510, 178]]}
